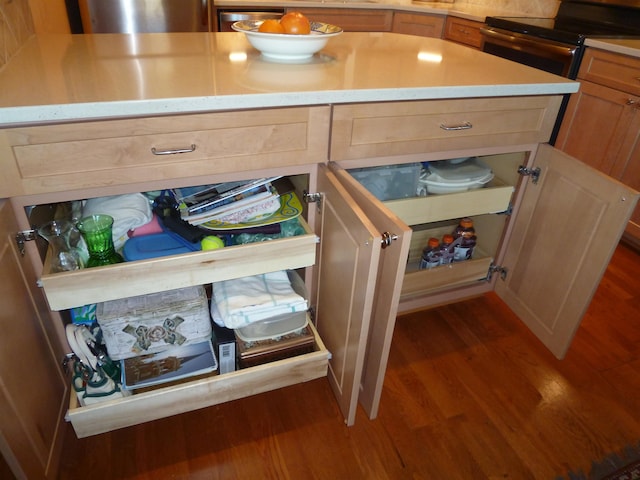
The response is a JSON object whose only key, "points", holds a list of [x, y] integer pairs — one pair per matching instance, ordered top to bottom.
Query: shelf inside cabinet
{"points": [[91, 285], [199, 393]]}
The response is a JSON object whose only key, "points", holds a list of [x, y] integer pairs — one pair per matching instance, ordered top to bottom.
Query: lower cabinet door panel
{"points": [[201, 393]]}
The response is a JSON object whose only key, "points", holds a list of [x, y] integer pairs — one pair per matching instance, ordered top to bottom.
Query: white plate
{"points": [[286, 47]]}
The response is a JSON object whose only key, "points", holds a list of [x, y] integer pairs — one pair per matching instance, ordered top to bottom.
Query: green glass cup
{"points": [[97, 231]]}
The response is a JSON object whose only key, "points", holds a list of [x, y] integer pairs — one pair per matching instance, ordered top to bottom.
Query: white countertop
{"points": [[618, 45], [73, 77]]}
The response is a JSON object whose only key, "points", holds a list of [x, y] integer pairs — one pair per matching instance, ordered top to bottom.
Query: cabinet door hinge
{"points": [[534, 173], [313, 198], [24, 236], [387, 239], [497, 269]]}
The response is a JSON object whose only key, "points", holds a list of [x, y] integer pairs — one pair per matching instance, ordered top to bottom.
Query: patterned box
{"points": [[155, 322]]}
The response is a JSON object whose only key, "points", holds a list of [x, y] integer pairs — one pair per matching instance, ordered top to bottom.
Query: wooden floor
{"points": [[469, 394]]}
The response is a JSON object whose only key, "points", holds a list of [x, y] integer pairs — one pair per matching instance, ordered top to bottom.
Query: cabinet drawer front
{"points": [[351, 19], [416, 24], [463, 31], [611, 69], [402, 128], [57, 158], [91, 285], [201, 393]]}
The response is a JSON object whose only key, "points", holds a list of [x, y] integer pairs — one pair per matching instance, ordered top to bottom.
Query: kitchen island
{"points": [[83, 116]]}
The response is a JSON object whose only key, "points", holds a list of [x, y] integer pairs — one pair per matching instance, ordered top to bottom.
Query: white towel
{"points": [[129, 211], [246, 300]]}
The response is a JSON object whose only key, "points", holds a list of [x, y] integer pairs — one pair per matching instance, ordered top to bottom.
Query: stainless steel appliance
{"points": [[144, 16], [227, 16], [557, 44]]}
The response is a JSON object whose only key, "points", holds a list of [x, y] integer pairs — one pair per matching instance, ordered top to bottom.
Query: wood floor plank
{"points": [[470, 393]]}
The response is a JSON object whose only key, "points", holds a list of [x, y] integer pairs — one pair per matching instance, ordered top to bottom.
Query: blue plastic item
{"points": [[157, 245]]}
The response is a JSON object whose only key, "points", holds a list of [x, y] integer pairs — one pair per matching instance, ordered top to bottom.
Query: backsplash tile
{"points": [[16, 26]]}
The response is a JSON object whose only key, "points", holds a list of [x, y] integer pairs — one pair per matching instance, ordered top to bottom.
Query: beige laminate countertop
{"points": [[58, 78]]}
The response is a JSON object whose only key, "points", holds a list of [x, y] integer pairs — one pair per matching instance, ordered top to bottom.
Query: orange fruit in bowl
{"points": [[295, 23], [271, 26]]}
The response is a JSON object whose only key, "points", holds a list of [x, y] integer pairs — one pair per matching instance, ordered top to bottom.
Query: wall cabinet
{"points": [[423, 25], [466, 32], [602, 124], [356, 284]]}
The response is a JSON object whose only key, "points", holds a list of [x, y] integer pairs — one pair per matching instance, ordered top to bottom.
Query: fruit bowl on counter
{"points": [[287, 47]]}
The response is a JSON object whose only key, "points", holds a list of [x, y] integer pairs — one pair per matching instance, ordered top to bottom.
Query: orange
{"points": [[295, 23], [271, 26]]}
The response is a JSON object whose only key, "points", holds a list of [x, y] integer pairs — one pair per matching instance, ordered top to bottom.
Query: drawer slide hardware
{"points": [[534, 173], [313, 198], [24, 236], [387, 238], [496, 269]]}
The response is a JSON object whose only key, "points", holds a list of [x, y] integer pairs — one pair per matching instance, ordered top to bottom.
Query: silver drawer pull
{"points": [[462, 126], [173, 151]]}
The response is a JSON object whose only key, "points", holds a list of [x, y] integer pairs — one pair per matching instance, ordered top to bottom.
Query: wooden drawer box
{"points": [[417, 24], [620, 72], [403, 128], [59, 158], [70, 289], [200, 393]]}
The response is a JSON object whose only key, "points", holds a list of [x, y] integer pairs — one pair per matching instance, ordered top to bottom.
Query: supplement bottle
{"points": [[465, 239], [430, 254]]}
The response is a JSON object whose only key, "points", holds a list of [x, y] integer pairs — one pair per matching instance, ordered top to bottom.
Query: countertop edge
{"points": [[64, 113]]}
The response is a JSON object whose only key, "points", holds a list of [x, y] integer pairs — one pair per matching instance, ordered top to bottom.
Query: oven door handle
{"points": [[509, 38]]}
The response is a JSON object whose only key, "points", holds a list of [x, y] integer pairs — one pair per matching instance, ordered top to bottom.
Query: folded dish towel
{"points": [[129, 211], [243, 301]]}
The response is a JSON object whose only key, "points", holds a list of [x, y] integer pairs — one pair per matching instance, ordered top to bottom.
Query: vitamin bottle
{"points": [[464, 239]]}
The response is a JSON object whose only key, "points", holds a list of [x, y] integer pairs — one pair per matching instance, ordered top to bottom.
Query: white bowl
{"points": [[285, 47]]}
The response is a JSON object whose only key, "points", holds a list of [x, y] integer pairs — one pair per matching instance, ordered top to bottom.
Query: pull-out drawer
{"points": [[405, 128], [64, 157], [91, 285], [203, 392]]}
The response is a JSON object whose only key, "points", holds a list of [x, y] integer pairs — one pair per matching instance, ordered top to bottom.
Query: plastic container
{"points": [[455, 176], [390, 182], [431, 254], [278, 325]]}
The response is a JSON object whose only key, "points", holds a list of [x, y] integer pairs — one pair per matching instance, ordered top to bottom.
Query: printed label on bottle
{"points": [[462, 253]]}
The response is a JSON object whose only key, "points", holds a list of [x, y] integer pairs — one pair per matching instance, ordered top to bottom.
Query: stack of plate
{"points": [[457, 175]]}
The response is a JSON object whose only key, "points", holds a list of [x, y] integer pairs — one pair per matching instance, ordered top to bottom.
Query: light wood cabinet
{"points": [[350, 19], [424, 25], [466, 32], [602, 124], [356, 284], [34, 391]]}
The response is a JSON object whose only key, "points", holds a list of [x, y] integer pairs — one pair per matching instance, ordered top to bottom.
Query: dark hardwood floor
{"points": [[469, 394]]}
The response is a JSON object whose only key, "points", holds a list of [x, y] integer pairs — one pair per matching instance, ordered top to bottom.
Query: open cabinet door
{"points": [[565, 231], [348, 265], [391, 269], [33, 391]]}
